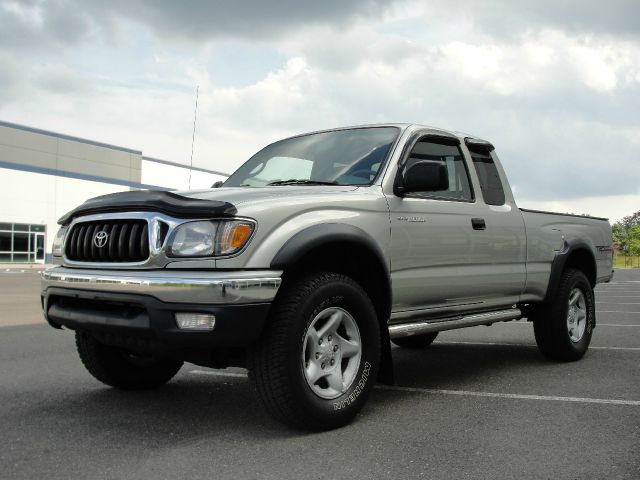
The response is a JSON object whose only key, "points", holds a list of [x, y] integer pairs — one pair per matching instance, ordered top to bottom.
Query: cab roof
{"points": [[405, 126]]}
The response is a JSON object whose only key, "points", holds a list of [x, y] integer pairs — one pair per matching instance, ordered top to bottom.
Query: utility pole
{"points": [[193, 135]]}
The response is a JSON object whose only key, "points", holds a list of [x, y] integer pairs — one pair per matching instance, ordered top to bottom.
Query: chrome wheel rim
{"points": [[576, 315], [331, 353]]}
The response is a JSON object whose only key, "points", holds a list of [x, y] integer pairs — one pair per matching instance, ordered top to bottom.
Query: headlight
{"points": [[210, 238], [193, 239], [58, 242]]}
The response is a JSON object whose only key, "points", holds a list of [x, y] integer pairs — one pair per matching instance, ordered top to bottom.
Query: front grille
{"points": [[126, 241]]}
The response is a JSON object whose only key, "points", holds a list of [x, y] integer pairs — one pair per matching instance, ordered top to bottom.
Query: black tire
{"points": [[550, 323], [416, 341], [277, 365], [120, 369]]}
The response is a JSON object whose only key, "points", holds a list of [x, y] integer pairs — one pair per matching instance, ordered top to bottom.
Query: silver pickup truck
{"points": [[314, 255]]}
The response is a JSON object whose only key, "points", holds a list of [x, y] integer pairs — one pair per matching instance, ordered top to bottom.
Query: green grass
{"points": [[619, 261]]}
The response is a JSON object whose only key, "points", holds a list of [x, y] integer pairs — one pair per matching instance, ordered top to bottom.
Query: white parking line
{"points": [[601, 285], [617, 290], [606, 293], [616, 294], [622, 296], [618, 303], [614, 311], [598, 324], [615, 325], [591, 347], [630, 349], [218, 374], [466, 393], [516, 396]]}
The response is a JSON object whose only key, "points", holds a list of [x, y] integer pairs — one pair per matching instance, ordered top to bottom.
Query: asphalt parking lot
{"points": [[479, 403]]}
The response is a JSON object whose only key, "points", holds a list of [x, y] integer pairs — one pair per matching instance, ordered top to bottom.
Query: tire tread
{"points": [[549, 321], [266, 362], [109, 367]]}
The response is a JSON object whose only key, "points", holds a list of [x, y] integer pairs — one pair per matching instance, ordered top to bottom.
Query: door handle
{"points": [[478, 223]]}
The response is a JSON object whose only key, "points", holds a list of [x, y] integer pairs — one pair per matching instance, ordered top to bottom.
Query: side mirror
{"points": [[426, 176], [217, 184]]}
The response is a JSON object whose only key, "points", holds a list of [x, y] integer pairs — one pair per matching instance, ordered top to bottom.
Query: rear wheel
{"points": [[563, 329], [416, 341], [318, 359], [122, 369]]}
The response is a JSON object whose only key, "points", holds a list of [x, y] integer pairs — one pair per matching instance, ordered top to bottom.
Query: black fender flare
{"points": [[317, 235], [311, 237], [559, 262]]}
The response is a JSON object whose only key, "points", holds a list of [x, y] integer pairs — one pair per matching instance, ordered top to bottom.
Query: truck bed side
{"points": [[553, 237]]}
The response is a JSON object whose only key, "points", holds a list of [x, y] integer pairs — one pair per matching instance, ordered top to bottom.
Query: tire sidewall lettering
{"points": [[591, 314], [357, 390]]}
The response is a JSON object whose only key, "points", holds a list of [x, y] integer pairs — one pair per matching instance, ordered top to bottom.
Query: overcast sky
{"points": [[554, 85]]}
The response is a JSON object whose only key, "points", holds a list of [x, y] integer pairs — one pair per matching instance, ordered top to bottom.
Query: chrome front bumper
{"points": [[176, 286]]}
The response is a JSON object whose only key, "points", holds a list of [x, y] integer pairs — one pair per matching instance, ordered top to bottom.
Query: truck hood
{"points": [[249, 197], [223, 202]]}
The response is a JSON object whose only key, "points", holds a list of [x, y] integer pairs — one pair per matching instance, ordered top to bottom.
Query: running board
{"points": [[429, 326]]}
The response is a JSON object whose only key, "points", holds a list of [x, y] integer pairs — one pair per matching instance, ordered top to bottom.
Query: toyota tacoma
{"points": [[311, 258]]}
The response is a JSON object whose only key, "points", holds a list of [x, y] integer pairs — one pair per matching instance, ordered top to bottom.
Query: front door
{"points": [[432, 238], [447, 247]]}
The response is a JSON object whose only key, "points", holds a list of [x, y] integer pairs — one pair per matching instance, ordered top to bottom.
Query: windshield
{"points": [[341, 157]]}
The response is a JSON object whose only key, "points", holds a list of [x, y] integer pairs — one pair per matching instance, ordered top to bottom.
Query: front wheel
{"points": [[563, 329], [318, 359], [122, 369]]}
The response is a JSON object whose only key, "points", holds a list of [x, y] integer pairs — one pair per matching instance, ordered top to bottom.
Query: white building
{"points": [[45, 174]]}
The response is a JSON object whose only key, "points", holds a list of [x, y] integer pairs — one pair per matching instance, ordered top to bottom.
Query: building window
{"points": [[22, 243]]}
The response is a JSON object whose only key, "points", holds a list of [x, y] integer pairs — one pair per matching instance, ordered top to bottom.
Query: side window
{"points": [[451, 157], [490, 183]]}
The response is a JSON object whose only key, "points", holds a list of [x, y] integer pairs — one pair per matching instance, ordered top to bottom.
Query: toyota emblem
{"points": [[100, 239]]}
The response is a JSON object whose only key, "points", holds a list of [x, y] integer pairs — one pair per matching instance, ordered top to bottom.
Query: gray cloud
{"points": [[512, 17], [202, 19], [258, 19], [68, 22], [65, 24], [39, 25], [52, 25], [10, 79], [62, 80], [557, 136], [569, 142]]}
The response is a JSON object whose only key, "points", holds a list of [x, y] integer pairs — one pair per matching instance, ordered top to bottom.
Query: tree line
{"points": [[626, 233]]}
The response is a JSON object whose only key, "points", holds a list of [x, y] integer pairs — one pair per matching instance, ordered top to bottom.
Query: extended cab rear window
{"points": [[490, 183]]}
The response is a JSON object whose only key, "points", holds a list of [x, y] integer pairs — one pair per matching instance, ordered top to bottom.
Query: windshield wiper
{"points": [[300, 181]]}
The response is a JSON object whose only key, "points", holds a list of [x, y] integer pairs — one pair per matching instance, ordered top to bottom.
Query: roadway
{"points": [[478, 403]]}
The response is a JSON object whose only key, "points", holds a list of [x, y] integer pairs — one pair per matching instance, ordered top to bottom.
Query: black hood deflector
{"points": [[151, 201]]}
